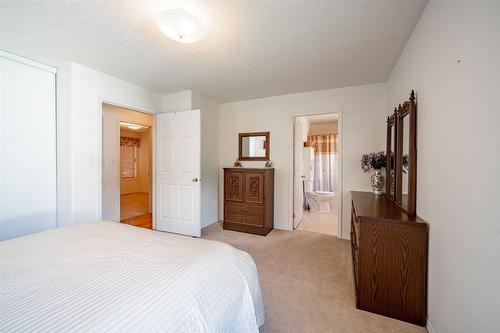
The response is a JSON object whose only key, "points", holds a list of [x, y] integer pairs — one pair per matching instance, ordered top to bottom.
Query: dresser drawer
{"points": [[244, 209], [244, 219]]}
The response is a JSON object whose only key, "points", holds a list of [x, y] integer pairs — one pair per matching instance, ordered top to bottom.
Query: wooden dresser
{"points": [[249, 200], [389, 253]]}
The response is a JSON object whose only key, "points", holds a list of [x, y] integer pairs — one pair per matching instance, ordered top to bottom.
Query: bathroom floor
{"points": [[323, 223]]}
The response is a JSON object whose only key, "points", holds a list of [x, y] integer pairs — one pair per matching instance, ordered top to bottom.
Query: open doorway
{"points": [[127, 166], [317, 174]]}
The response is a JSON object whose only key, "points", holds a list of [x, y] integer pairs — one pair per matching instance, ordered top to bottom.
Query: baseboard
{"points": [[211, 224], [430, 329]]}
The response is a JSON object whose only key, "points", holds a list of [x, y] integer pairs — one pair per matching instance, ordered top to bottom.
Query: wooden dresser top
{"points": [[248, 169], [379, 207]]}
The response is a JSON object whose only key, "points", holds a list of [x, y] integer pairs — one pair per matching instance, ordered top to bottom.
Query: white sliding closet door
{"points": [[27, 148]]}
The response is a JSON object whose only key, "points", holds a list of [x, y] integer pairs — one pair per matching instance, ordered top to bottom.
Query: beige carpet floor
{"points": [[306, 280]]}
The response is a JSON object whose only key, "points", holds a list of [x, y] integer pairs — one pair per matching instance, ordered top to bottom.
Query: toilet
{"points": [[320, 201]]}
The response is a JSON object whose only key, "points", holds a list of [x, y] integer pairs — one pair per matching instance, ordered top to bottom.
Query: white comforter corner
{"points": [[109, 277]]}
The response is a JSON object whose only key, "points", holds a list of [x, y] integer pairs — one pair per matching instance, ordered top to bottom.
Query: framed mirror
{"points": [[254, 146], [391, 146], [406, 155]]}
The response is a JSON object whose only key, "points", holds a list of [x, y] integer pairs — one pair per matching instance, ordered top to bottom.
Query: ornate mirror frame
{"points": [[408, 109], [391, 123], [240, 146]]}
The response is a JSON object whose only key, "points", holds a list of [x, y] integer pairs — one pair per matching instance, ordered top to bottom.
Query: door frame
{"points": [[153, 157], [291, 181], [295, 185]]}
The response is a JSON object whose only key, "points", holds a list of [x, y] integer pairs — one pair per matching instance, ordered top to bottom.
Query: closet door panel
{"points": [[28, 149]]}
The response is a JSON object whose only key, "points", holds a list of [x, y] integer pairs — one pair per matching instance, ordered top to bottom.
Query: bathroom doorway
{"points": [[317, 193]]}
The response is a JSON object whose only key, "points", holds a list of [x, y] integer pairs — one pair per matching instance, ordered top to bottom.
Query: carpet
{"points": [[306, 281]]}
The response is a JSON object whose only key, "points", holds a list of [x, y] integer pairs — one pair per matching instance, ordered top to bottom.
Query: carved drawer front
{"points": [[234, 186], [254, 187], [244, 209], [244, 219]]}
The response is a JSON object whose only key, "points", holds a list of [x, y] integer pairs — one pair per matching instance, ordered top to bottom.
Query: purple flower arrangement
{"points": [[374, 161], [377, 161], [405, 162]]}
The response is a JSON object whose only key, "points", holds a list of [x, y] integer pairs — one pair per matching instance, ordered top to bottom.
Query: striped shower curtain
{"points": [[325, 162]]}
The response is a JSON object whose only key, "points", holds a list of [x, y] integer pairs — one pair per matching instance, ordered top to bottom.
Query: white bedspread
{"points": [[110, 277]]}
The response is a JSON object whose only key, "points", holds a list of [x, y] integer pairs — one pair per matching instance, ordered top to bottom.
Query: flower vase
{"points": [[377, 181]]}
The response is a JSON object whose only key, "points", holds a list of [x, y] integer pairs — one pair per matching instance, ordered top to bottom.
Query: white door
{"points": [[27, 148], [298, 168], [178, 172]]}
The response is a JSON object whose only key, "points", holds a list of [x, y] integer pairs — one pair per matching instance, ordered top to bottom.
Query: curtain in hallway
{"points": [[130, 141], [325, 162]]}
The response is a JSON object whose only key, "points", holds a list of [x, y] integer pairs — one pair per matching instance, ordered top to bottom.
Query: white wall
{"points": [[452, 60], [89, 89], [175, 102], [364, 114], [64, 125], [209, 157]]}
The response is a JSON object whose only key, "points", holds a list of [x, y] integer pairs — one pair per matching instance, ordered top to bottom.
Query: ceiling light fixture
{"points": [[180, 25], [132, 126]]}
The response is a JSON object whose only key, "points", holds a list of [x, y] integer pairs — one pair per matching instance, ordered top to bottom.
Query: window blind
{"points": [[128, 161]]}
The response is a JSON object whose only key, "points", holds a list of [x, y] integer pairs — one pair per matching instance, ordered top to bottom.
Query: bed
{"points": [[110, 277]]}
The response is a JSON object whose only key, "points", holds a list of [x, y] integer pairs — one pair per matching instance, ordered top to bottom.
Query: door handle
{"points": [[194, 179]]}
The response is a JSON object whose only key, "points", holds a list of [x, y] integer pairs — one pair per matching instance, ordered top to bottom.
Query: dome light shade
{"points": [[180, 25]]}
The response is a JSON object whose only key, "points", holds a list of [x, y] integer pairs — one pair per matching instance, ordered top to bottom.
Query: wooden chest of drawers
{"points": [[249, 200], [389, 257]]}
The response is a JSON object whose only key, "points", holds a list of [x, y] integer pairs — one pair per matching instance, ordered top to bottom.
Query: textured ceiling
{"points": [[251, 49]]}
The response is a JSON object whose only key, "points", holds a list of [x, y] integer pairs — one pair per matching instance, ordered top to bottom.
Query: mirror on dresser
{"points": [[254, 146], [390, 155], [406, 155]]}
